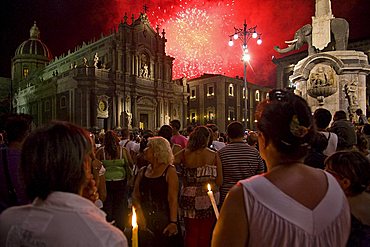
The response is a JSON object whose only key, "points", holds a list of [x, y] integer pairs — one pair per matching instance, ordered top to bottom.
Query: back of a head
{"points": [[359, 112], [340, 115], [322, 118], [285, 119], [175, 124], [17, 127], [213, 127], [189, 129], [235, 130], [166, 132], [125, 133], [199, 138], [252, 138], [319, 142], [111, 143], [161, 149], [53, 159], [352, 165]]}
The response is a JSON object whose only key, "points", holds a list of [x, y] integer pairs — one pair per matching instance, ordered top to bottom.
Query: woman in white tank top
{"points": [[292, 204]]}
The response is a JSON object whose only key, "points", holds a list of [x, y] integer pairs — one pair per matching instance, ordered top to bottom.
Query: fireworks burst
{"points": [[196, 37]]}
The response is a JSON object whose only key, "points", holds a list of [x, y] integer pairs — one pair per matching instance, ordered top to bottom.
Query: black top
{"points": [[154, 193], [155, 207]]}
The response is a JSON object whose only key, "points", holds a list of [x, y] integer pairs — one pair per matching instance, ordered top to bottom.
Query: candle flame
{"points": [[209, 187], [133, 220]]}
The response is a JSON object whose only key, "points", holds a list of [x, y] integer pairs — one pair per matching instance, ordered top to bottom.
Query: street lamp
{"points": [[245, 34]]}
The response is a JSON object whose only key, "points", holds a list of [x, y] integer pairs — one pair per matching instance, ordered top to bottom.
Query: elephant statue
{"points": [[339, 28]]}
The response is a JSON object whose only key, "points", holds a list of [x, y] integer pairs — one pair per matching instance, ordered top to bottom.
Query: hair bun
{"points": [[296, 129]]}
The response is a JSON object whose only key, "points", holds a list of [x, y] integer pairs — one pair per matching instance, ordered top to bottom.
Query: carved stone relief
{"points": [[144, 70], [322, 82]]}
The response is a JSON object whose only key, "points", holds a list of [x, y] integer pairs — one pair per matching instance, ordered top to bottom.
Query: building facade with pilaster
{"points": [[123, 79], [220, 100]]}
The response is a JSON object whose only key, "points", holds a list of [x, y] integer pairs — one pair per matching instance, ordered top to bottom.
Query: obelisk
{"points": [[321, 24]]}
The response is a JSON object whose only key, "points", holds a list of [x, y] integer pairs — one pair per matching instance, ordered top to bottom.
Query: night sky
{"points": [[197, 31]]}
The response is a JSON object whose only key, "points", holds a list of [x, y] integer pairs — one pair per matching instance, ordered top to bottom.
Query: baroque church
{"points": [[123, 79]]}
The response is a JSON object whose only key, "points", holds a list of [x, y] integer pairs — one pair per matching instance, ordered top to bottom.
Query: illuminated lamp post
{"points": [[245, 34]]}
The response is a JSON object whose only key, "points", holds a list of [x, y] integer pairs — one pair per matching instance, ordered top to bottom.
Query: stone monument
{"points": [[331, 76]]}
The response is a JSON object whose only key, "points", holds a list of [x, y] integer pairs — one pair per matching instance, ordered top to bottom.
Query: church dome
{"points": [[33, 46]]}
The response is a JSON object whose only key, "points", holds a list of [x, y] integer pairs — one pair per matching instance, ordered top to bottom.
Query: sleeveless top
{"points": [[115, 169], [154, 192], [194, 201], [155, 207], [276, 219]]}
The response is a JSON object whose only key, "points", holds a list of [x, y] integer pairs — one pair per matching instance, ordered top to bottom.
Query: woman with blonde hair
{"points": [[118, 164], [201, 166], [155, 195]]}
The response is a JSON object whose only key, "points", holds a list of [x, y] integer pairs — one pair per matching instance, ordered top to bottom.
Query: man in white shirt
{"points": [[322, 119], [131, 146]]}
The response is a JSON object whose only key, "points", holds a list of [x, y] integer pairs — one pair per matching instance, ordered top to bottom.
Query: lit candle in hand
{"points": [[213, 201], [135, 228]]}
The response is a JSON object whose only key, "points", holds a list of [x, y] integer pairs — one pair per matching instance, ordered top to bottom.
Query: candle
{"points": [[213, 201], [135, 228]]}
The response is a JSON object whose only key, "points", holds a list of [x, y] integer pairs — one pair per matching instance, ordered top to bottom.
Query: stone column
{"points": [[134, 111]]}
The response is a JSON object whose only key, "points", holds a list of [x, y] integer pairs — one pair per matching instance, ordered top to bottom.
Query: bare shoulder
{"points": [[171, 168], [171, 172], [236, 193]]}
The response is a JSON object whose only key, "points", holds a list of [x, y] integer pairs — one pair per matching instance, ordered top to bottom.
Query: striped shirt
{"points": [[239, 161]]}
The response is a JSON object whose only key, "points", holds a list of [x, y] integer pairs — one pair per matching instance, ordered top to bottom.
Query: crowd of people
{"points": [[300, 179]]}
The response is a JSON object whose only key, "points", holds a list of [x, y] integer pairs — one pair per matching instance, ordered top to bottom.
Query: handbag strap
{"points": [[6, 171]]}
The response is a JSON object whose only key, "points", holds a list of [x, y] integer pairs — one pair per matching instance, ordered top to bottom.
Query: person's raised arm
{"points": [[179, 157], [231, 229]]}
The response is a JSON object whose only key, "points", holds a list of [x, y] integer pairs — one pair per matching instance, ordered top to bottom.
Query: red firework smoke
{"points": [[197, 31]]}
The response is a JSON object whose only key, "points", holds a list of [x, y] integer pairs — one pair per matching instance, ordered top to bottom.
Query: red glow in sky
{"points": [[197, 30]]}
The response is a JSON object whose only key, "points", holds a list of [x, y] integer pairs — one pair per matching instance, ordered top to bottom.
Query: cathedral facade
{"points": [[123, 79]]}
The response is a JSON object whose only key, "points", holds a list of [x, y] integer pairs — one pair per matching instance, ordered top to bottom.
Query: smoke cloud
{"points": [[65, 24]]}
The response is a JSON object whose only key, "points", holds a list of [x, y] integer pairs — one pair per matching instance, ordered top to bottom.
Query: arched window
{"points": [[26, 72], [231, 89], [245, 94], [257, 95], [63, 102], [47, 105]]}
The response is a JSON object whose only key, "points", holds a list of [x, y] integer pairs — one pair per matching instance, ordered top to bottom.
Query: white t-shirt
{"points": [[332, 143], [218, 145], [131, 146], [63, 219]]}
